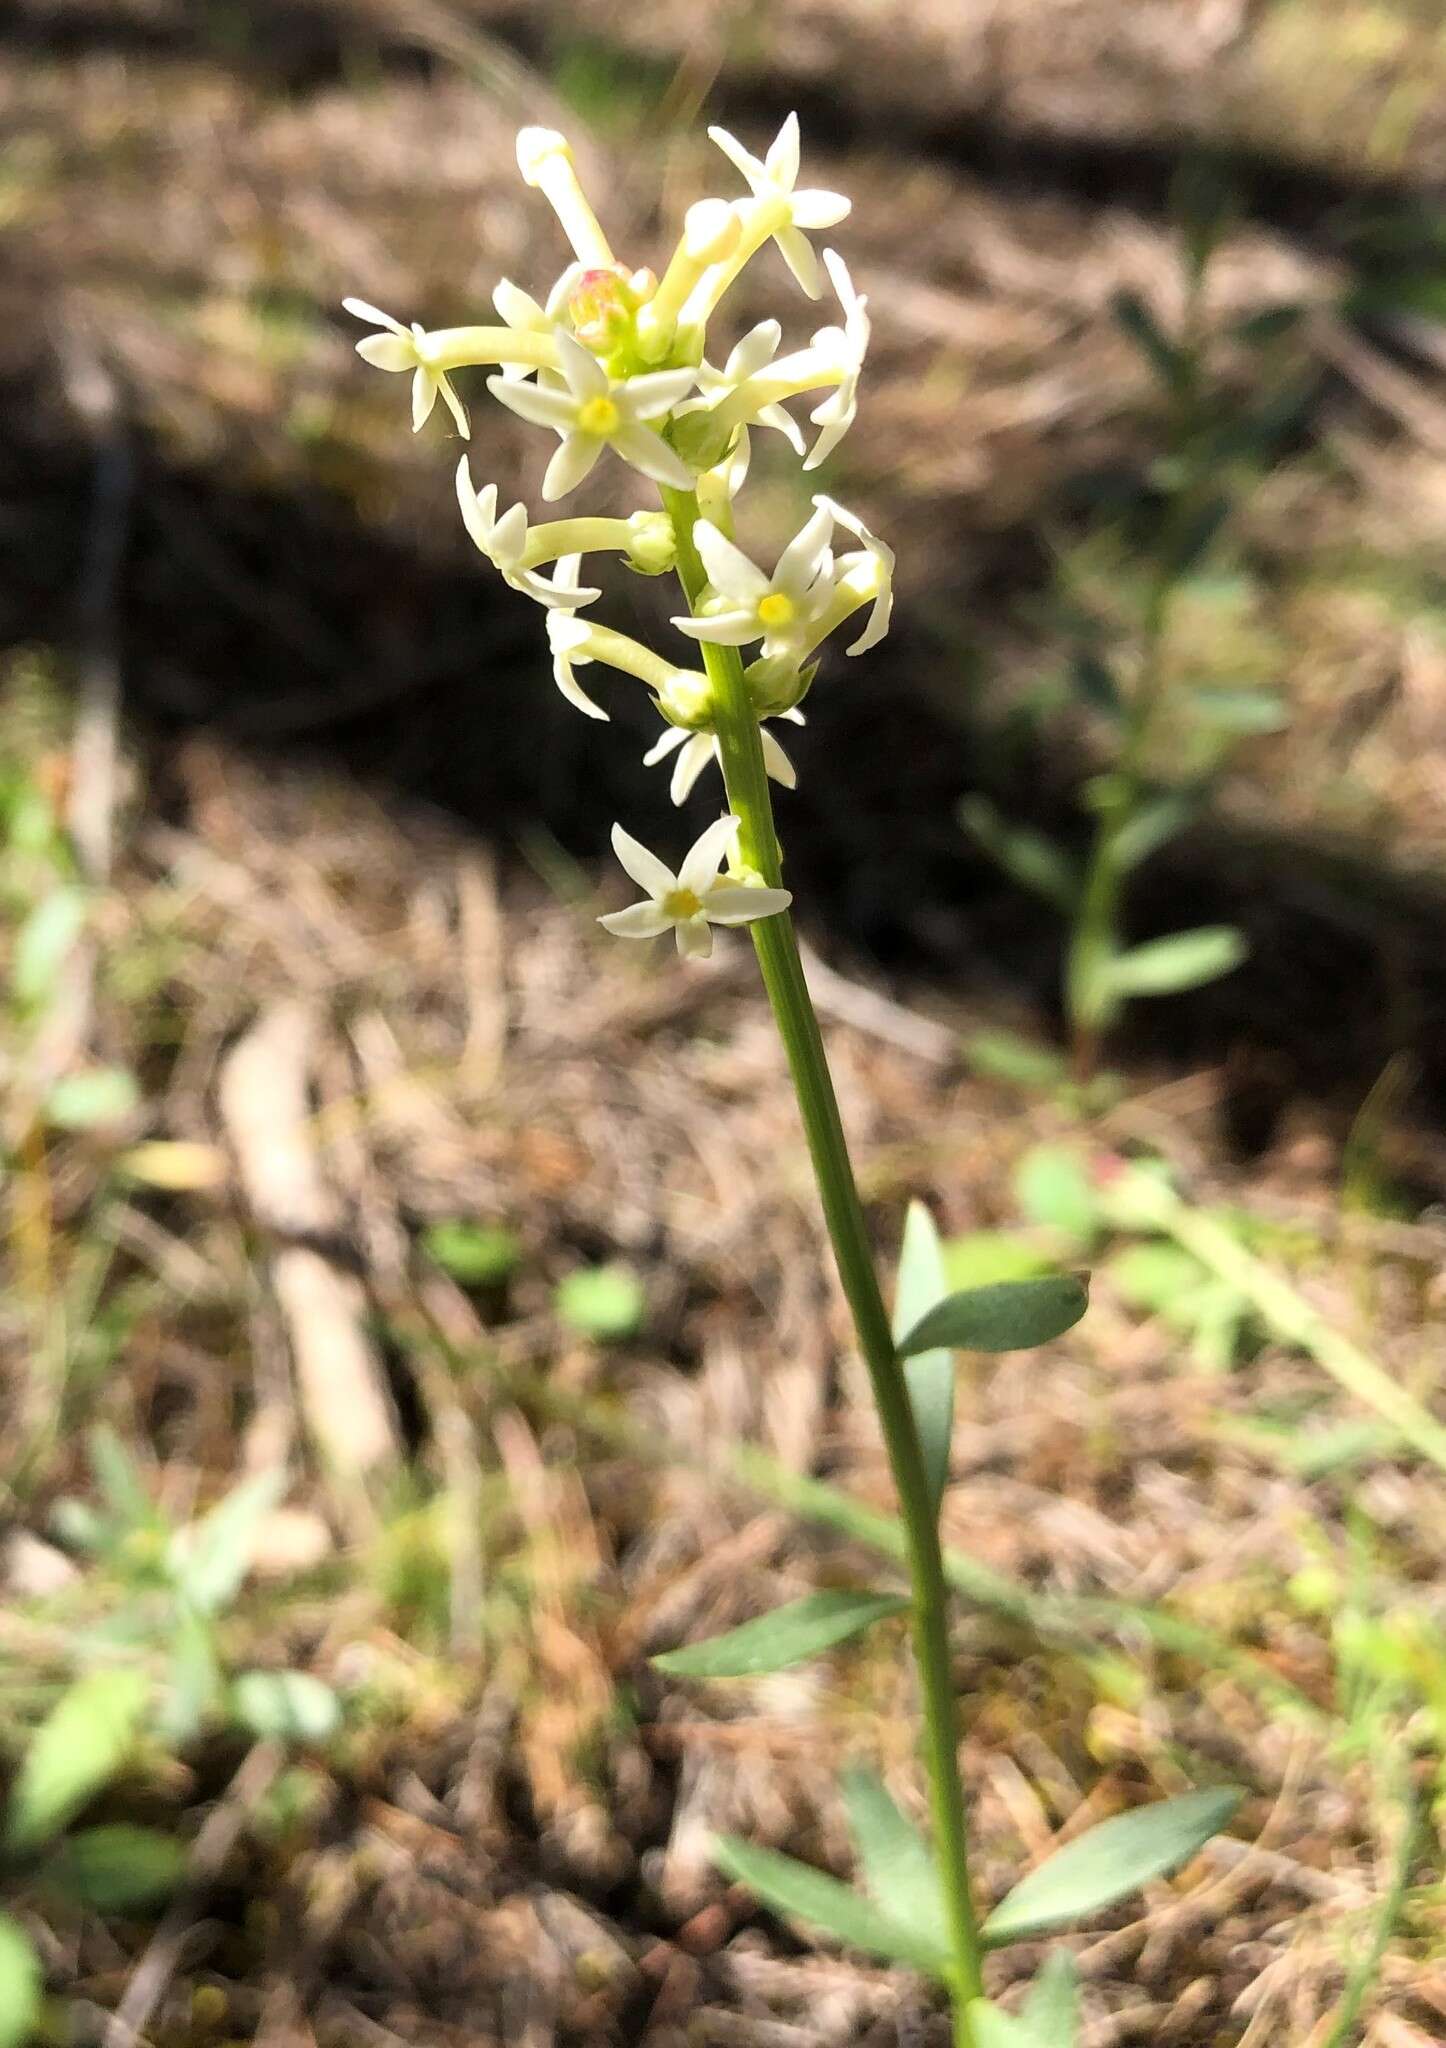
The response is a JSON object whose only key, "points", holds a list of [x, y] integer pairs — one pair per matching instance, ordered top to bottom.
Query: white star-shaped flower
{"points": [[774, 179], [848, 345], [405, 348], [752, 354], [593, 413], [503, 541], [866, 573], [777, 609], [695, 750], [690, 902]]}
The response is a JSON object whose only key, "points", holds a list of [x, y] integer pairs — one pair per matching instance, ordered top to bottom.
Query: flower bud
{"points": [[536, 147], [710, 231], [601, 307], [700, 439], [652, 544], [776, 683], [686, 700]]}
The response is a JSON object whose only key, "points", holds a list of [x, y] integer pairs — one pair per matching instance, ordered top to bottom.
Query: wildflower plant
{"points": [[623, 366], [1168, 729]]}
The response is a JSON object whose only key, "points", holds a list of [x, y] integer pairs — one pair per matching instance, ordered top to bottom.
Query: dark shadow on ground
{"points": [[283, 622]]}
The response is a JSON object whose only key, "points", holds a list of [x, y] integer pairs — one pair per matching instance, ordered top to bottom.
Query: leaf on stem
{"points": [[1026, 855], [1184, 960], [1015, 1315], [929, 1375], [804, 1628], [86, 1739], [1109, 1861], [898, 1866], [796, 1889]]}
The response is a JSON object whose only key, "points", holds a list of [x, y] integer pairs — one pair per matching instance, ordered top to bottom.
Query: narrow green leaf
{"points": [[1134, 319], [1094, 682], [1241, 712], [1152, 826], [1025, 855], [43, 944], [1184, 960], [1004, 1056], [96, 1095], [1054, 1189], [603, 1302], [1013, 1316], [929, 1375], [119, 1480], [211, 1558], [804, 1628], [286, 1706], [86, 1739], [1110, 1861], [898, 1867], [116, 1869], [796, 1889], [19, 1985], [1051, 2011], [1049, 2019], [994, 2028]]}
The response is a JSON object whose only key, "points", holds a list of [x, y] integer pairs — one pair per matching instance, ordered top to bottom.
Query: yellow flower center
{"points": [[598, 416], [776, 609], [681, 903]]}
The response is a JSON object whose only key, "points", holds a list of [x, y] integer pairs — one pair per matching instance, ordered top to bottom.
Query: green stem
{"points": [[736, 724]]}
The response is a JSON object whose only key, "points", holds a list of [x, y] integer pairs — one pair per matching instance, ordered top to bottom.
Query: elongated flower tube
{"points": [[545, 160], [429, 356], [504, 542], [696, 897]]}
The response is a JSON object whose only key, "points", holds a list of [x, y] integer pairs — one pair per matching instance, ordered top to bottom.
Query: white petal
{"points": [[739, 157], [781, 162], [813, 209], [798, 254], [843, 284], [562, 291], [515, 307], [363, 311], [758, 346], [388, 351], [586, 377], [657, 391], [424, 397], [535, 404], [783, 422], [827, 441], [646, 451], [573, 461], [478, 509], [509, 537], [800, 561], [729, 570], [544, 593], [878, 625], [726, 629], [576, 695], [673, 738], [700, 750], [777, 762], [704, 857], [643, 867], [731, 903], [638, 921], [695, 941]]}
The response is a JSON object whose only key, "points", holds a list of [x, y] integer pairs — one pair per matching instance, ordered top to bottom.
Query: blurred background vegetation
{"points": [[414, 1314]]}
